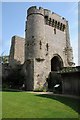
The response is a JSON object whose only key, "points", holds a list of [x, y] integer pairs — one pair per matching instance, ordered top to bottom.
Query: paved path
{"points": [[51, 93]]}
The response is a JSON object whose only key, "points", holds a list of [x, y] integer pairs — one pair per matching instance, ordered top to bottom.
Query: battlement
{"points": [[35, 10], [45, 12], [50, 13], [51, 18]]}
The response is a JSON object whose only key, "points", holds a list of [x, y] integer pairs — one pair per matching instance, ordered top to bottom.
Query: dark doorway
{"points": [[56, 63], [54, 78], [54, 82]]}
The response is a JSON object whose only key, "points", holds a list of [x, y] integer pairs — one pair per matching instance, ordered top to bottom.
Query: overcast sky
{"points": [[14, 16]]}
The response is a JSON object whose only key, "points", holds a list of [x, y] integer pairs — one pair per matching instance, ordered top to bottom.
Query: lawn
{"points": [[0, 105], [29, 105]]}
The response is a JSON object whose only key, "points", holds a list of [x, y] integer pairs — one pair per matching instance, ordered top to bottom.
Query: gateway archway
{"points": [[56, 63], [54, 78]]}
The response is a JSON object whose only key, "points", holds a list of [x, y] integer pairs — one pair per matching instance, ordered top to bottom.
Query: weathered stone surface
{"points": [[46, 36], [17, 51]]}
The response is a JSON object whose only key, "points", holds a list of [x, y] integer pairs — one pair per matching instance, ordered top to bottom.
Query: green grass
{"points": [[0, 105], [28, 105]]}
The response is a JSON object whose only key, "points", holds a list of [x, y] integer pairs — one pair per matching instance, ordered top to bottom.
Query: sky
{"points": [[14, 16], [79, 33]]}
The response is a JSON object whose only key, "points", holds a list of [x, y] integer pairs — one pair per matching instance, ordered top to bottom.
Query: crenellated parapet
{"points": [[35, 10], [51, 18]]}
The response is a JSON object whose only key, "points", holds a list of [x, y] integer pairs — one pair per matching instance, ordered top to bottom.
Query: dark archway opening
{"points": [[56, 63], [54, 79], [55, 82]]}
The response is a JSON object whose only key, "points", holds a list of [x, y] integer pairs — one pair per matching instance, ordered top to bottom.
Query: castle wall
{"points": [[46, 35], [56, 43], [17, 50], [41, 72], [29, 74]]}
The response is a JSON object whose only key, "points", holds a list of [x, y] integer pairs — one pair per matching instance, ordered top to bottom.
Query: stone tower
{"points": [[47, 46], [17, 51]]}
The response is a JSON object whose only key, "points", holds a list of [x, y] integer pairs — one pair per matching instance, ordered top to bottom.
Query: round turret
{"points": [[34, 10], [35, 34]]}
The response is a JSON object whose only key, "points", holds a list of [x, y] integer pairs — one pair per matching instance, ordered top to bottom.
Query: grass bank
{"points": [[29, 105]]}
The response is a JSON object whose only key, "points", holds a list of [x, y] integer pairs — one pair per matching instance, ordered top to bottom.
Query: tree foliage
{"points": [[15, 78]]}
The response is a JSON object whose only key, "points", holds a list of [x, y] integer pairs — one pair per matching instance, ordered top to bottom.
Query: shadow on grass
{"points": [[11, 90], [71, 102], [40, 119]]}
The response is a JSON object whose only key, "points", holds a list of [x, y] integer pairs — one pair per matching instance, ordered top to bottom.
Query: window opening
{"points": [[46, 19], [50, 21], [55, 24], [58, 25], [61, 26], [54, 31], [40, 44], [47, 46]]}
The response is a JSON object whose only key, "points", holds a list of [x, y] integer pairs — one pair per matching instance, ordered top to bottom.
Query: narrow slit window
{"points": [[46, 19], [50, 21], [53, 23], [58, 25], [61, 26], [54, 31], [40, 44], [47, 46]]}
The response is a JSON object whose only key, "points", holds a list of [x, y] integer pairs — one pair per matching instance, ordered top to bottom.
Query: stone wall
{"points": [[46, 36], [17, 50]]}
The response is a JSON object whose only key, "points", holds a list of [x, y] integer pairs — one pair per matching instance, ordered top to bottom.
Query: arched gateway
{"points": [[56, 63], [54, 78]]}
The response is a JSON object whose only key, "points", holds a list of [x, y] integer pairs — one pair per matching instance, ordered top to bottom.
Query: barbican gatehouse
{"points": [[46, 47]]}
